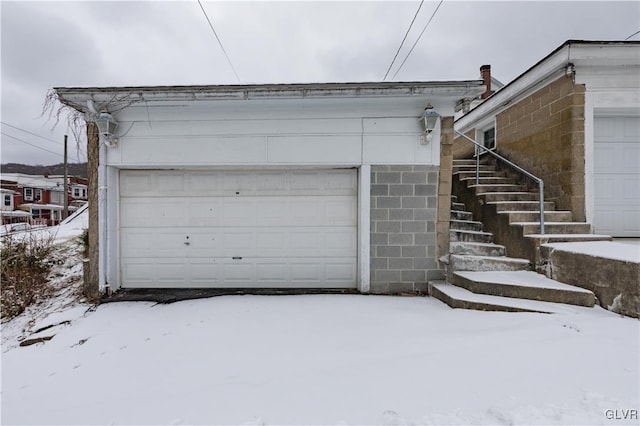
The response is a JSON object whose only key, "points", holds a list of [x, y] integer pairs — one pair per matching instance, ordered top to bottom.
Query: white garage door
{"points": [[617, 176], [238, 229]]}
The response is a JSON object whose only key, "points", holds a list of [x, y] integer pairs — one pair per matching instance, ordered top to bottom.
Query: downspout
{"points": [[102, 217]]}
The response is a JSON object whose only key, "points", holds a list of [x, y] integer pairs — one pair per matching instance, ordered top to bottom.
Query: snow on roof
{"points": [[34, 181]]}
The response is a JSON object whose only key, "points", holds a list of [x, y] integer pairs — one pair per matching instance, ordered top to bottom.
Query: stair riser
{"points": [[469, 168], [483, 173], [490, 181], [480, 189], [510, 196], [521, 206], [458, 207], [460, 215], [535, 217], [465, 225], [568, 228], [463, 236], [458, 247], [486, 264], [522, 292], [477, 306]]}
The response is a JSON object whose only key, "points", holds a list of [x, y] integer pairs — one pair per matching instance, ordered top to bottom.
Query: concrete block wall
{"points": [[544, 133], [403, 228]]}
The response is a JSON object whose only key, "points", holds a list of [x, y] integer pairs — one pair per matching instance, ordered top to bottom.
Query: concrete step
{"points": [[469, 161], [472, 167], [483, 173], [489, 180], [483, 189], [490, 197], [454, 198], [505, 206], [458, 207], [461, 215], [532, 216], [465, 225], [553, 227], [470, 236], [567, 238], [477, 249], [464, 262], [523, 285], [457, 297]]}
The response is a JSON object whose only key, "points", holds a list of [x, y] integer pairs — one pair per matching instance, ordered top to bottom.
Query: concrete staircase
{"points": [[509, 209], [480, 276]]}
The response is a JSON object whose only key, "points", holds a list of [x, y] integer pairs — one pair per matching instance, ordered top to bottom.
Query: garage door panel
{"points": [[617, 176], [229, 242], [245, 273]]}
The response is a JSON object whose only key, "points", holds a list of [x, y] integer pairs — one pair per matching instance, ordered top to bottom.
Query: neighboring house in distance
{"points": [[572, 119], [331, 185], [38, 199]]}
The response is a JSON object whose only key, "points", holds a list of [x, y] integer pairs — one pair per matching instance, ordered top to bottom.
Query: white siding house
{"points": [[269, 186]]}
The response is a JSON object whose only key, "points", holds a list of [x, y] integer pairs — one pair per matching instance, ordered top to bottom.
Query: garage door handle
{"points": [[237, 258]]}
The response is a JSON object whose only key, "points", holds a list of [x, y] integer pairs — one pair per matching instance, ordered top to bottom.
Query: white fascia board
{"points": [[589, 58], [546, 71]]}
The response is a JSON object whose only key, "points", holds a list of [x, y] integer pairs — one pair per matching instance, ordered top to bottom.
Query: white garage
{"points": [[617, 175], [239, 229]]}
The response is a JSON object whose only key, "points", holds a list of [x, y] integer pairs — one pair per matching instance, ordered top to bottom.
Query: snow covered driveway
{"points": [[331, 359]]}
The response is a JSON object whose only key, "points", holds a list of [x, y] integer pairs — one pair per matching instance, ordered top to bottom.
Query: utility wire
{"points": [[637, 32], [418, 39], [403, 40], [219, 41], [31, 133], [35, 146]]}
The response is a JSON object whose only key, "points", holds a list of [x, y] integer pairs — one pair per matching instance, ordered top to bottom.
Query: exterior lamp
{"points": [[428, 121], [106, 128]]}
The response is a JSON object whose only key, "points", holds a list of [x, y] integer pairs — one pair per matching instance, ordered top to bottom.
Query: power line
{"points": [[637, 32], [418, 39], [403, 40], [219, 41], [31, 133], [35, 146]]}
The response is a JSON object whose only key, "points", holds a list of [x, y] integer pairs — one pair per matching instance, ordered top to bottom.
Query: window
{"points": [[489, 138], [79, 193], [38, 194], [7, 201]]}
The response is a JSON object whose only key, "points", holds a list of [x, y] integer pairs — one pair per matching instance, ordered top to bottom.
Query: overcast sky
{"points": [[91, 43]]}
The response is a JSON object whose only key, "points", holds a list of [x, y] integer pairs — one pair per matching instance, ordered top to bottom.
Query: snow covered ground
{"points": [[313, 359], [323, 359]]}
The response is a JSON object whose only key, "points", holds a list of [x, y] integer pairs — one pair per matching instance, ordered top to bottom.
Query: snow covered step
{"points": [[472, 173], [489, 180], [483, 189], [509, 196], [504, 206], [458, 207], [460, 215], [533, 216], [465, 225], [553, 227], [474, 236], [567, 238], [477, 249], [464, 262], [523, 285], [457, 297]]}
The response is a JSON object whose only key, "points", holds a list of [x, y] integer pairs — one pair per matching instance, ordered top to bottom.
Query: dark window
{"points": [[489, 138], [7, 200]]}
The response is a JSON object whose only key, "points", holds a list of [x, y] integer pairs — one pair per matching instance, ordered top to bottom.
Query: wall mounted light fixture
{"points": [[428, 121], [107, 127]]}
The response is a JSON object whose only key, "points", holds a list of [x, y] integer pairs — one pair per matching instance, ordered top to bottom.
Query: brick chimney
{"points": [[485, 75]]}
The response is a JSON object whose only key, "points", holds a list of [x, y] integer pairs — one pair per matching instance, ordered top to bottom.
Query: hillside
{"points": [[74, 169]]}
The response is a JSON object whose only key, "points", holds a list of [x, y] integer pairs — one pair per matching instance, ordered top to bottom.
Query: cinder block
{"points": [[389, 177], [414, 177], [379, 189], [402, 189], [425, 190], [388, 202], [414, 202], [379, 214], [401, 214], [388, 226], [414, 226], [379, 238], [402, 239], [389, 251], [414, 251], [379, 263], [401, 263], [388, 275], [414, 275]]}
